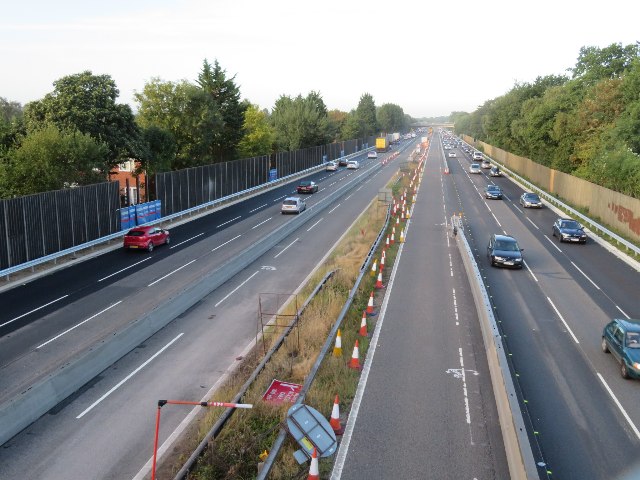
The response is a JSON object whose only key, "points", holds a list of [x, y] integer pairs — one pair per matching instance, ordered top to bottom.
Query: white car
{"points": [[452, 154], [371, 155], [477, 156], [486, 164], [353, 165], [332, 166], [474, 168], [293, 205]]}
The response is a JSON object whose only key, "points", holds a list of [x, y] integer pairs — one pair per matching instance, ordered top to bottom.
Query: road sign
{"points": [[282, 392], [311, 430]]}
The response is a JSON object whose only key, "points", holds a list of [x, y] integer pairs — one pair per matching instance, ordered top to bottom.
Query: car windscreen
{"points": [[474, 165], [305, 184], [532, 196], [290, 202], [570, 224], [135, 233], [507, 246], [633, 340]]}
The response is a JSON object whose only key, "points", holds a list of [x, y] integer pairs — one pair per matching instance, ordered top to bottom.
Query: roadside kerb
{"points": [[22, 410], [520, 459]]}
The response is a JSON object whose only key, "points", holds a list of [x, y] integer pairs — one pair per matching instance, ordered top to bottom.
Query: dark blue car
{"points": [[568, 230], [621, 338]]}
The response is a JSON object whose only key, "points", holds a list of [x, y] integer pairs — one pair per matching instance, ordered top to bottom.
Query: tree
{"points": [[596, 63], [225, 96], [87, 103], [366, 113], [390, 118], [337, 119], [299, 122], [351, 127], [258, 133], [160, 149], [51, 159]]}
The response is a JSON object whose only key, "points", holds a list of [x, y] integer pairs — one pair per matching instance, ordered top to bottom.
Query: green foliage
{"points": [[87, 103], [366, 115], [391, 118], [300, 122], [588, 126], [258, 133], [160, 149], [51, 159]]}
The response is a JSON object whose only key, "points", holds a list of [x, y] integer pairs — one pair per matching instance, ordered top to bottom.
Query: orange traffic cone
{"points": [[398, 220], [393, 235], [402, 236], [387, 242], [382, 262], [374, 268], [379, 281], [370, 304], [363, 325], [337, 350], [354, 363], [334, 421], [314, 471]]}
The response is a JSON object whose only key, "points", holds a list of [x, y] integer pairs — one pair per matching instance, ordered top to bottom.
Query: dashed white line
{"points": [[279, 198], [347, 198], [257, 208], [334, 208], [517, 208], [228, 221], [497, 221], [531, 222], [261, 223], [308, 229], [185, 241], [228, 241], [551, 242], [282, 251], [530, 271], [171, 273], [585, 275], [237, 288], [41, 307], [455, 307], [621, 311], [563, 321], [79, 324], [125, 379], [464, 388], [620, 407]]}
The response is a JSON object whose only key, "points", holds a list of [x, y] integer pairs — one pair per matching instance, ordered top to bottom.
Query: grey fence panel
{"points": [[49, 214], [32, 227], [15, 230], [4, 237]]}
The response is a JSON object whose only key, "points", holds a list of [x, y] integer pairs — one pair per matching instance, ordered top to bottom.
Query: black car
{"points": [[495, 172], [307, 186], [493, 192], [530, 200], [568, 230], [503, 251]]}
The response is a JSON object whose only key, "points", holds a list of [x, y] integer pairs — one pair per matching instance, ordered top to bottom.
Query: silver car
{"points": [[474, 168], [530, 200], [293, 205]]}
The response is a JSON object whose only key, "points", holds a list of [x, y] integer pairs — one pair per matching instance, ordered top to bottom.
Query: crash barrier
{"points": [[618, 209], [36, 226], [25, 408], [224, 418], [520, 459]]}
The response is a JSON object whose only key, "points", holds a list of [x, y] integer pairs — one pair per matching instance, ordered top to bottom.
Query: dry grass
{"points": [[234, 454]]}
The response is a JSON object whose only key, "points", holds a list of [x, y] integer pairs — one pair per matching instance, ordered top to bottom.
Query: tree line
{"points": [[586, 123], [78, 132]]}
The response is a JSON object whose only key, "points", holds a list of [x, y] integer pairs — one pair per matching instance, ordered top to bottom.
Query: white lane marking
{"points": [[332, 184], [359, 187], [321, 190], [506, 197], [279, 198], [347, 198], [257, 208], [334, 208], [517, 208], [228, 221], [497, 221], [531, 222], [262, 223], [308, 229], [185, 241], [228, 241], [552, 243], [282, 251], [450, 265], [530, 271], [171, 273], [109, 276], [585, 276], [237, 288], [455, 307], [36, 309], [621, 311], [563, 321], [79, 324], [125, 379], [362, 384], [464, 388], [620, 407]]}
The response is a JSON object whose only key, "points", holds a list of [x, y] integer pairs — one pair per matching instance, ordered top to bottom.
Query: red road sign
{"points": [[282, 392]]}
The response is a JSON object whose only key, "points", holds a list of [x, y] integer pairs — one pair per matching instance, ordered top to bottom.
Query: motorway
{"points": [[105, 430]]}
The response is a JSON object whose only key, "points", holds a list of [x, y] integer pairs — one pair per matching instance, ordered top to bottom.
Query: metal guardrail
{"points": [[7, 272]]}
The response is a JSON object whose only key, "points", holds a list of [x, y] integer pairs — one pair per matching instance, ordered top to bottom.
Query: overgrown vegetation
{"points": [[587, 125]]}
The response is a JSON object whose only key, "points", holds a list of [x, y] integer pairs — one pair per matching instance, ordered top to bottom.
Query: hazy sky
{"points": [[431, 58]]}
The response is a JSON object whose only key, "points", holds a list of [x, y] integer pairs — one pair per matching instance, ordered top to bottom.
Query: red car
{"points": [[307, 186], [145, 238]]}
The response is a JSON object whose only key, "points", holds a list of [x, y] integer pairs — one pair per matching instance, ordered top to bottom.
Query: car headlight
{"points": [[566, 235], [501, 259]]}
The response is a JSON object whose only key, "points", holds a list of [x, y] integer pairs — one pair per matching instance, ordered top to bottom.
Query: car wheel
{"points": [[168, 240], [150, 247], [604, 346], [623, 370]]}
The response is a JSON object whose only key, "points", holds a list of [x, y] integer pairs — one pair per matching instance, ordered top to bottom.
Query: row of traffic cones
{"points": [[334, 421]]}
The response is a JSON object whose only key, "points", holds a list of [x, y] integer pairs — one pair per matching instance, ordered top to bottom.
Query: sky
{"points": [[430, 58]]}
